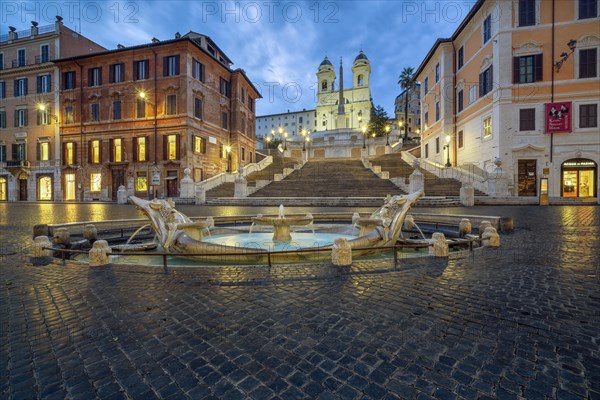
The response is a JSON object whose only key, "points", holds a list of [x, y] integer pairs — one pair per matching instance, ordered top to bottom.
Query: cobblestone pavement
{"points": [[522, 321]]}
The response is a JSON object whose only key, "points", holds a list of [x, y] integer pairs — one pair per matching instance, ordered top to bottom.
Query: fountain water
{"points": [[125, 247]]}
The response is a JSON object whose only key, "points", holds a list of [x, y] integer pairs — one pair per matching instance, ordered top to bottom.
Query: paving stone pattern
{"points": [[522, 321]]}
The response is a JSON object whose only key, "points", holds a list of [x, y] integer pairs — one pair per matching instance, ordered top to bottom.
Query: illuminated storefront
{"points": [[579, 178], [44, 188], [70, 188], [3, 189]]}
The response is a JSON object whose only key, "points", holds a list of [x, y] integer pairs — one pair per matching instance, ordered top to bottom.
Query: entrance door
{"points": [[527, 178], [118, 179], [172, 184], [70, 187], [22, 189]]}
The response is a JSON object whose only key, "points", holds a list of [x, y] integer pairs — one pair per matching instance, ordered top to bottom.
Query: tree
{"points": [[408, 85], [378, 121]]}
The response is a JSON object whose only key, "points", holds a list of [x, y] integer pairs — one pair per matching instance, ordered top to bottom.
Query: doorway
{"points": [[527, 177], [578, 178], [118, 179], [172, 184], [22, 188], [70, 193]]}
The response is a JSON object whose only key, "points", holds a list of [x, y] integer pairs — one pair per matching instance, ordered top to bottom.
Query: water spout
{"points": [[281, 212], [132, 236]]}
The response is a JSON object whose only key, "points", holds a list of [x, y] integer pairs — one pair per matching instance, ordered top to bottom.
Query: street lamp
{"points": [[564, 55], [364, 132], [285, 135], [387, 135], [305, 138], [447, 146], [228, 150], [155, 170]]}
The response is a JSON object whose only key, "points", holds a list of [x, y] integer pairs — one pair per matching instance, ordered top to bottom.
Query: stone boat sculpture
{"points": [[178, 234]]}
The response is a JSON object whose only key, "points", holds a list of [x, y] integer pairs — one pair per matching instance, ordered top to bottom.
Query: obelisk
{"points": [[341, 115]]}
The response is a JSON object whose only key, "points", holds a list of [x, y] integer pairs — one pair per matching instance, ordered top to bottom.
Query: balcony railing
{"points": [[17, 163]]}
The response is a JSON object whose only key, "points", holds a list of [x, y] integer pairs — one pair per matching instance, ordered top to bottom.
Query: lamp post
{"points": [[564, 55], [399, 129], [364, 132], [285, 135], [387, 135], [304, 139], [447, 146], [228, 150], [155, 169]]}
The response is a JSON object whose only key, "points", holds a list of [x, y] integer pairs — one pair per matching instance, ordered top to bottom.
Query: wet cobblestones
{"points": [[521, 321]]}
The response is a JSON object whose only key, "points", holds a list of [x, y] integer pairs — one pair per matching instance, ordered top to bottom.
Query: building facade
{"points": [[517, 86], [357, 97], [139, 116], [292, 122], [412, 124], [30, 166]]}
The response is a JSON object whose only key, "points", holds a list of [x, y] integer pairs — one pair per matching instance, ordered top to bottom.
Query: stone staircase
{"points": [[267, 174], [330, 178], [434, 186]]}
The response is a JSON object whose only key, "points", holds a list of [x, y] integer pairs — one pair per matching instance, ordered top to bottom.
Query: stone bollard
{"points": [[122, 195], [200, 197], [409, 222], [506, 224], [483, 225], [464, 227], [40, 230], [90, 233], [62, 237], [490, 237], [439, 247], [37, 249], [341, 253], [99, 255]]}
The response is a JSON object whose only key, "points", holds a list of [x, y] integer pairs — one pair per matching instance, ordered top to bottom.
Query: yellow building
{"points": [[488, 90]]}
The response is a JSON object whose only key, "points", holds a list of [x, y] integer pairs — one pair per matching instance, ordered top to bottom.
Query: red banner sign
{"points": [[558, 117]]}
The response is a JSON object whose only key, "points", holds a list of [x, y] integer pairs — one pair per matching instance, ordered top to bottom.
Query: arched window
{"points": [[360, 80], [323, 85], [45, 188]]}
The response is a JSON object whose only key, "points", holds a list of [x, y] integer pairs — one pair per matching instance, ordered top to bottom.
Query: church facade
{"points": [[356, 110]]}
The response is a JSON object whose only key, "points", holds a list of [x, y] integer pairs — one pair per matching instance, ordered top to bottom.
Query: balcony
{"points": [[17, 163]]}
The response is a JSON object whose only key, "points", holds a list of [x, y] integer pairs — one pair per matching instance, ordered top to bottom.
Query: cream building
{"points": [[486, 93], [357, 98], [292, 122]]}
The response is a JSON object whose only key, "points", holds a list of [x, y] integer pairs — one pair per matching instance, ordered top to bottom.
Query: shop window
{"points": [[141, 181], [95, 182], [45, 188], [70, 188], [3, 189]]}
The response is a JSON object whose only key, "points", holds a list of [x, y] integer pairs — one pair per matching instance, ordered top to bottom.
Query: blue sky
{"points": [[278, 43]]}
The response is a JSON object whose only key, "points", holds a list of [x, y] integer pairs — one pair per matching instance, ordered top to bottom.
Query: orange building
{"points": [[488, 90], [29, 98], [139, 116]]}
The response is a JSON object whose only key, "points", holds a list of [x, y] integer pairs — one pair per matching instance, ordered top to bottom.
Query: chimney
{"points": [[58, 23], [34, 28], [12, 34], [177, 35], [155, 40], [120, 46]]}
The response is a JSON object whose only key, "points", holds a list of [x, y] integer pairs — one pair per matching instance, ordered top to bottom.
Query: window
{"points": [[588, 9], [526, 12], [487, 29], [44, 53], [461, 57], [21, 58], [1, 61], [587, 63], [171, 65], [527, 69], [141, 70], [198, 70], [437, 72], [116, 73], [95, 76], [68, 80], [360, 80], [485, 82], [44, 84], [323, 85], [426, 86], [20, 87], [225, 87], [2, 90], [472, 94], [243, 97], [460, 100], [250, 103], [171, 104], [116, 108], [198, 108], [140, 110], [437, 110], [95, 112], [588, 116], [20, 117], [43, 117], [2, 118], [69, 118], [426, 118], [527, 119], [224, 120], [299, 120], [243, 125], [487, 127], [461, 139], [199, 144], [437, 145], [171, 147], [141, 149], [117, 150], [223, 150], [426, 150], [19, 151], [43, 151], [94, 151], [69, 153], [243, 154], [141, 181], [95, 182], [3, 186], [44, 188]]}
